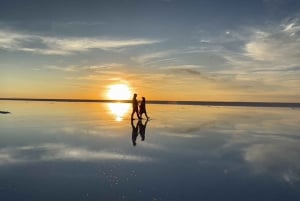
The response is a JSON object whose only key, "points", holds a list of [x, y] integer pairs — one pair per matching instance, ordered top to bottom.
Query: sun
{"points": [[118, 92]]}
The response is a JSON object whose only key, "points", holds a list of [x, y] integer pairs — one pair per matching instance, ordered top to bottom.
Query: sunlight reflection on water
{"points": [[119, 110]]}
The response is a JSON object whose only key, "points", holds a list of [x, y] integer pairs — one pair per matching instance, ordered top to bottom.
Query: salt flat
{"points": [[85, 151]]}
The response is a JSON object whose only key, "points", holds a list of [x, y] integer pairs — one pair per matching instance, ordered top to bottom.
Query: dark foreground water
{"points": [[85, 151]]}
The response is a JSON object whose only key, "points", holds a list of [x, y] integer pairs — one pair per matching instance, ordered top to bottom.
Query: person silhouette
{"points": [[135, 108], [143, 108], [142, 129], [134, 132]]}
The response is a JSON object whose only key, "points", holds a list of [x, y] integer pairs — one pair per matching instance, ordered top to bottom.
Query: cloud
{"points": [[46, 45], [273, 46], [276, 46], [279, 48], [144, 59], [259, 59], [185, 66], [84, 68], [65, 69], [189, 71], [100, 75], [53, 152]]}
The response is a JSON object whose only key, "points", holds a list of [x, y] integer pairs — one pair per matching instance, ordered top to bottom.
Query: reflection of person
{"points": [[135, 107], [143, 108], [138, 128], [142, 129], [134, 132]]}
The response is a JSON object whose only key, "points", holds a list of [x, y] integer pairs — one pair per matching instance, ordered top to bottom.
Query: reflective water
{"points": [[92, 151]]}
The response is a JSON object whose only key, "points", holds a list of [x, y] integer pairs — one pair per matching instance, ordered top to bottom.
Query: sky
{"points": [[200, 50]]}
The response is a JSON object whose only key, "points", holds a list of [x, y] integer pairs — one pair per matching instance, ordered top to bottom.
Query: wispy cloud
{"points": [[46, 45], [273, 47], [280, 47], [144, 59], [256, 59], [184, 66], [84, 68], [65, 69], [189, 69]]}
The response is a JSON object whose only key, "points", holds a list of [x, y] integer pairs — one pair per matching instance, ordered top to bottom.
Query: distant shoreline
{"points": [[206, 103]]}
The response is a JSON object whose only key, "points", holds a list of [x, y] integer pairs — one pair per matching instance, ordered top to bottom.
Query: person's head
{"points": [[134, 95], [143, 98]]}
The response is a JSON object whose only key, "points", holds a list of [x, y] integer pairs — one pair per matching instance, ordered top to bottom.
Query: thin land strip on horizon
{"points": [[207, 103]]}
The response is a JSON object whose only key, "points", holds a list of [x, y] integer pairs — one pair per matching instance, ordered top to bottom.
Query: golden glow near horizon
{"points": [[119, 92], [119, 110]]}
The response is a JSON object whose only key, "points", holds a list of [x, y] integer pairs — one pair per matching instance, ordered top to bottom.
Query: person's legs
{"points": [[137, 112], [132, 113], [141, 115], [146, 115]]}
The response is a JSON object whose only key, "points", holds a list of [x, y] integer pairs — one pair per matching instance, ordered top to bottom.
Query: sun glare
{"points": [[119, 92], [119, 110]]}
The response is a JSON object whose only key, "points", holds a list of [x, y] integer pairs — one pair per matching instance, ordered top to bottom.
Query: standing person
{"points": [[135, 107], [143, 108]]}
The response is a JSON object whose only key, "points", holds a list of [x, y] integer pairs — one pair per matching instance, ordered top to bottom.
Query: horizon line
{"points": [[177, 102]]}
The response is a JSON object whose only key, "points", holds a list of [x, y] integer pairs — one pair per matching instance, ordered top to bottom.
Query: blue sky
{"points": [[163, 49]]}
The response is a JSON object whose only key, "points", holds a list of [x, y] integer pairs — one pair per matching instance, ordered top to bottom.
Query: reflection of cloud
{"points": [[63, 46], [182, 135], [152, 146], [52, 152], [277, 159]]}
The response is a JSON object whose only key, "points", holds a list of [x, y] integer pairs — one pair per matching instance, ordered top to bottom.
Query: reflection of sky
{"points": [[189, 153]]}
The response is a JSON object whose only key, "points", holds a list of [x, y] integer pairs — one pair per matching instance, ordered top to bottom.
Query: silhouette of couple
{"points": [[138, 109], [137, 129]]}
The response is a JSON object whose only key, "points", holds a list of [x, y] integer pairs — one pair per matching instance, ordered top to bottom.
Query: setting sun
{"points": [[119, 92]]}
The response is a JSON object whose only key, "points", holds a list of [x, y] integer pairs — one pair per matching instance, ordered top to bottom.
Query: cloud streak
{"points": [[45, 45], [144, 59], [84, 68]]}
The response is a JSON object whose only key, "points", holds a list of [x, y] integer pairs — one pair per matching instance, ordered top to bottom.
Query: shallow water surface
{"points": [[92, 151]]}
